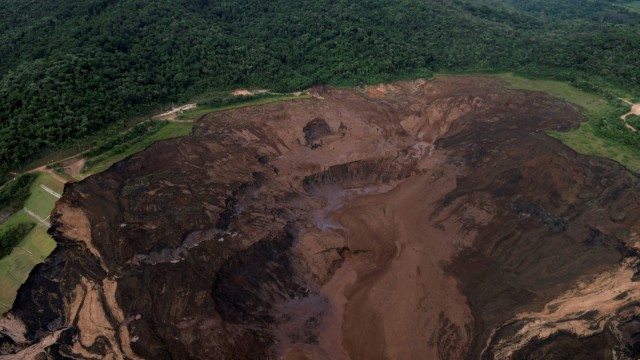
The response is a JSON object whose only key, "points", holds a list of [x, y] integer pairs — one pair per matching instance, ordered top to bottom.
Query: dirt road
{"points": [[635, 110], [173, 113]]}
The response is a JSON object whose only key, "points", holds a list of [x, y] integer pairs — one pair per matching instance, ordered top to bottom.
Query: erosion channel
{"points": [[414, 220]]}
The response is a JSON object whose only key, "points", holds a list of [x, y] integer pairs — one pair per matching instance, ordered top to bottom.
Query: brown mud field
{"points": [[414, 220]]}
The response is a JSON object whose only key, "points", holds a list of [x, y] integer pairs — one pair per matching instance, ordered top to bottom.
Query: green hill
{"points": [[72, 69]]}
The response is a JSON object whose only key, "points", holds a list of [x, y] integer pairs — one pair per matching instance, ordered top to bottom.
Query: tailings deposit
{"points": [[413, 220]]}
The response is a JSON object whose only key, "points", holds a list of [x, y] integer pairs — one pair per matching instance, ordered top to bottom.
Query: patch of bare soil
{"points": [[241, 92], [245, 92], [172, 114], [73, 167], [51, 173], [414, 220]]}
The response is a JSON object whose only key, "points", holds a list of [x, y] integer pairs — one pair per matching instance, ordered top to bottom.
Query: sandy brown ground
{"points": [[73, 167], [414, 220], [393, 263], [397, 273]]}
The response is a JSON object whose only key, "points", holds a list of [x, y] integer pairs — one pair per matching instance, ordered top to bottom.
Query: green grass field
{"points": [[556, 88], [584, 139], [51, 183], [40, 201], [16, 218], [36, 245], [15, 268]]}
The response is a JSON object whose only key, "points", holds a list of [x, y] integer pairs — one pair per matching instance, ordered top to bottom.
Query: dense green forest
{"points": [[71, 69], [609, 126], [14, 194], [11, 236]]}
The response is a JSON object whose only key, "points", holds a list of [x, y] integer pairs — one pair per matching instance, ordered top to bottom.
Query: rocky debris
{"points": [[421, 219]]}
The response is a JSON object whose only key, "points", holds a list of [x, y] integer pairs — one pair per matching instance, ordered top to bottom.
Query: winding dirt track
{"points": [[635, 110], [414, 220]]}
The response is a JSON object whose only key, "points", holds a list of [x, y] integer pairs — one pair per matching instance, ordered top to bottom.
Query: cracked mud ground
{"points": [[415, 220]]}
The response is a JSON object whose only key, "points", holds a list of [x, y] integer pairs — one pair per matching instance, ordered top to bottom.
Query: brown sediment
{"points": [[172, 114], [414, 220], [78, 228], [398, 266], [583, 311]]}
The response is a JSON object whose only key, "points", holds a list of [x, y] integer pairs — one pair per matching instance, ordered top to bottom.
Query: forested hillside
{"points": [[71, 68]]}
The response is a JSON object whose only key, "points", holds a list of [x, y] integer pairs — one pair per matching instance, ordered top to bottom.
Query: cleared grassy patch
{"points": [[556, 88], [195, 114], [586, 141], [104, 161], [53, 184], [40, 201], [16, 218], [38, 242], [35, 246], [21, 264], [15, 268], [8, 290]]}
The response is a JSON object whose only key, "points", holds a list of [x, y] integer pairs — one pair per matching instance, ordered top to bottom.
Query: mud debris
{"points": [[420, 219]]}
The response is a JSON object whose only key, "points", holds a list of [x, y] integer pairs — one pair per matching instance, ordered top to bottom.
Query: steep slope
{"points": [[424, 219]]}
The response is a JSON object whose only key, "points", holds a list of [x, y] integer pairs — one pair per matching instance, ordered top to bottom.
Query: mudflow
{"points": [[415, 220]]}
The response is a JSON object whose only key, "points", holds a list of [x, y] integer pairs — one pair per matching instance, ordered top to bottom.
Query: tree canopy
{"points": [[71, 69]]}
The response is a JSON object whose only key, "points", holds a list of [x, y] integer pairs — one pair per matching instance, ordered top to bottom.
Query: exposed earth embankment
{"points": [[415, 220]]}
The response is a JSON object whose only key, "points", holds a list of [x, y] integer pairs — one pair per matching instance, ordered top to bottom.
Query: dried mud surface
{"points": [[414, 220]]}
